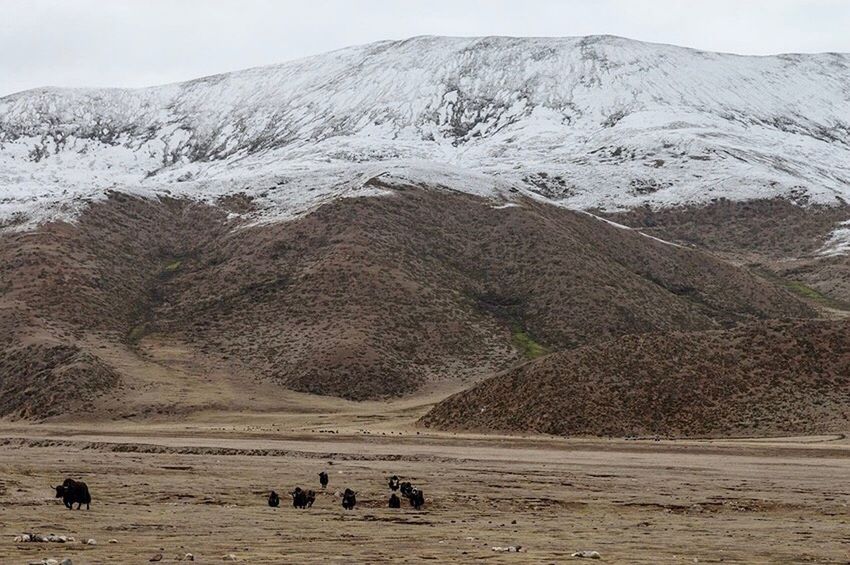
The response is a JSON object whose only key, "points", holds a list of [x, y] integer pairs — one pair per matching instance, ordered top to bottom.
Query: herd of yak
{"points": [[77, 492], [305, 498]]}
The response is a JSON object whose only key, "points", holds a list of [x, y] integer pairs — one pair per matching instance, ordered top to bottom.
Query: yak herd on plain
{"points": [[77, 492], [305, 498]]}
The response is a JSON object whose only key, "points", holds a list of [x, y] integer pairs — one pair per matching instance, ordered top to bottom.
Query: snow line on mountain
{"points": [[596, 122]]}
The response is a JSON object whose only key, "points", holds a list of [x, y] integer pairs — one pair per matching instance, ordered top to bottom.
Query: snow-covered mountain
{"points": [[587, 122]]}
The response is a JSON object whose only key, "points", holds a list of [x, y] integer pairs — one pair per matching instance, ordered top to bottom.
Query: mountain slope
{"points": [[590, 122], [401, 216], [803, 247], [368, 297], [759, 379]]}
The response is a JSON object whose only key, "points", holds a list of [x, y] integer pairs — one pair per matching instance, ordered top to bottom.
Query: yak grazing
{"points": [[74, 492], [303, 498], [416, 498], [349, 499]]}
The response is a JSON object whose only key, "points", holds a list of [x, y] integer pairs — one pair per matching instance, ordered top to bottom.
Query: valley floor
{"points": [[201, 488]]}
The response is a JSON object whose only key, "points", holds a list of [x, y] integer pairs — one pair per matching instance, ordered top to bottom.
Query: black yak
{"points": [[323, 479], [394, 483], [405, 488], [72, 492], [310, 497], [299, 498], [416, 498], [349, 499], [274, 500], [395, 501]]}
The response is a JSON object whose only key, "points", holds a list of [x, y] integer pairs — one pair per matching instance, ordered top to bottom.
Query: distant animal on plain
{"points": [[323, 479], [394, 483], [405, 489], [74, 492], [310, 497], [299, 498], [416, 498], [349, 499], [274, 500], [395, 501]]}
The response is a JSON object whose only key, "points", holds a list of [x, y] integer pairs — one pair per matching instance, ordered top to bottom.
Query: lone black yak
{"points": [[323, 479], [72, 492], [349, 499], [274, 500], [395, 501]]}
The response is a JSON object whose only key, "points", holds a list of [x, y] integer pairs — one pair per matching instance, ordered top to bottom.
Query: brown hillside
{"points": [[774, 227], [775, 236], [364, 297], [758, 379], [40, 381]]}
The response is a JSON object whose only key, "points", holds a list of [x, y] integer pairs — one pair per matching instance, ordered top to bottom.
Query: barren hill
{"points": [[408, 216], [804, 246], [365, 297], [757, 379]]}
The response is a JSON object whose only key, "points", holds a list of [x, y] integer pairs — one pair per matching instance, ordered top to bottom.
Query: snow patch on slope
{"points": [[624, 227], [839, 241]]}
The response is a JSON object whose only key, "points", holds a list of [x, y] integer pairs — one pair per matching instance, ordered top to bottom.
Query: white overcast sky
{"points": [[145, 42]]}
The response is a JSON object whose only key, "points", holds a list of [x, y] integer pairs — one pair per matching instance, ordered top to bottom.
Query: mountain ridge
{"points": [[305, 58], [589, 122]]}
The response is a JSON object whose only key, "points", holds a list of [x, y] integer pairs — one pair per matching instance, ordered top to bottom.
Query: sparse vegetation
{"points": [[172, 266], [801, 289], [808, 292], [136, 333], [527, 345], [765, 378], [43, 380]]}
